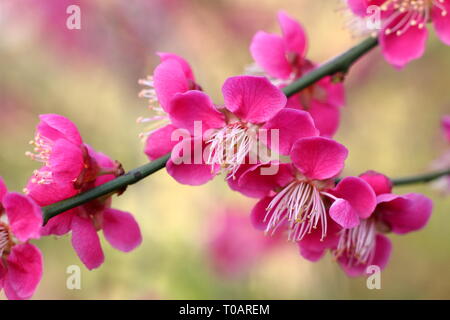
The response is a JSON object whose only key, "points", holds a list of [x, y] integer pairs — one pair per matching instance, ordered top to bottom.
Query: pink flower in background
{"points": [[403, 31], [283, 58], [173, 75], [446, 127], [228, 133], [443, 162], [71, 167], [302, 196], [366, 243], [234, 245], [21, 262]]}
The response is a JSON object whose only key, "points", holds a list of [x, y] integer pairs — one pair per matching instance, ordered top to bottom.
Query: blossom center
{"points": [[409, 13], [229, 147], [302, 206], [358, 244]]}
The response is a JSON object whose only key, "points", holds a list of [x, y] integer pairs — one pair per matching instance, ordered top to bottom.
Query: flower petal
{"points": [[441, 21], [293, 34], [400, 50], [269, 52], [164, 56], [169, 79], [252, 99], [195, 106], [326, 118], [291, 125], [55, 126], [446, 127], [159, 143], [318, 158], [66, 161], [190, 169], [379, 182], [256, 184], [3, 190], [47, 193], [358, 193], [259, 213], [405, 213], [344, 214], [24, 216], [60, 224], [121, 230], [86, 242], [383, 248], [24, 271]]}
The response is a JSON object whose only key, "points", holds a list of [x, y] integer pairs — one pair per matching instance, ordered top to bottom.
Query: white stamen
{"points": [[229, 147], [301, 205], [358, 243]]}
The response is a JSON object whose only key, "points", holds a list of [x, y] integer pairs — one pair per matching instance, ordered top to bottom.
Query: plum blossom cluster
{"points": [[276, 149], [68, 167], [302, 199]]}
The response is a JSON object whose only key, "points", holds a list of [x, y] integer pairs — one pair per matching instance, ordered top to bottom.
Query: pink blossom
{"points": [[403, 31], [283, 58], [173, 75], [446, 127], [228, 133], [443, 162], [71, 167], [302, 196], [366, 243], [233, 244], [21, 262]]}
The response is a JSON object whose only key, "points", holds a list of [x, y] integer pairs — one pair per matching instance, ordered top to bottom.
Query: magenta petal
{"points": [[358, 7], [442, 22], [293, 33], [400, 50], [269, 52], [164, 56], [169, 79], [253, 99], [195, 106], [326, 117], [291, 125], [54, 127], [446, 127], [159, 143], [318, 158], [66, 161], [187, 164], [379, 182], [252, 183], [3, 189], [358, 193], [45, 194], [259, 212], [343, 213], [405, 213], [24, 216], [59, 225], [121, 230], [86, 242], [313, 246], [383, 249], [311, 255], [24, 271]]}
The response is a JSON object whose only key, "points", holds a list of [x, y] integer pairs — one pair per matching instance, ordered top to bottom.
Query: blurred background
{"points": [[390, 124]]}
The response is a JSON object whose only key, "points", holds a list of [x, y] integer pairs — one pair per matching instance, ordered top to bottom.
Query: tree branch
{"points": [[341, 63], [422, 178]]}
